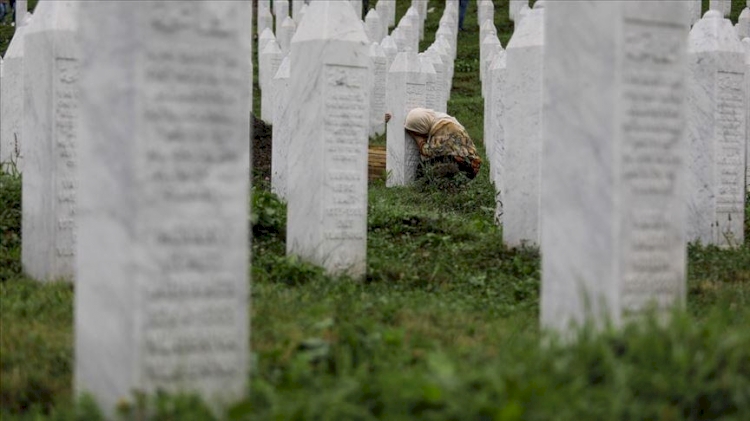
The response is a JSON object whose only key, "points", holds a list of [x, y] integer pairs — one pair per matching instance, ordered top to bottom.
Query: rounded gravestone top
{"points": [[713, 14]]}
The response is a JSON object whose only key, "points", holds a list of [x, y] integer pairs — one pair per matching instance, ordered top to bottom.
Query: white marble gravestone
{"points": [[302, 11], [413, 15], [265, 19], [374, 26], [286, 32], [409, 32], [399, 37], [263, 39], [490, 44], [443, 48], [437, 63], [269, 64], [51, 74], [378, 83], [406, 90], [11, 107], [716, 127], [281, 129], [523, 131], [495, 142], [614, 177], [327, 184], [162, 292]]}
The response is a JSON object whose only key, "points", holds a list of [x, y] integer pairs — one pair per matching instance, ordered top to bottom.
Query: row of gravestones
{"points": [[612, 151], [319, 153], [136, 165], [136, 168]]}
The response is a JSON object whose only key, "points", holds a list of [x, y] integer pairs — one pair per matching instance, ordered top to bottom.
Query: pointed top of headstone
{"points": [[372, 14], [54, 15], [330, 19], [288, 22], [529, 31], [714, 33], [267, 34], [388, 42], [271, 48], [376, 50], [406, 61], [284, 69]]}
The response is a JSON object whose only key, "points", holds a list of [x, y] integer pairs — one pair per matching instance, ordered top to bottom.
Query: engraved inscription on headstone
{"points": [[66, 112], [163, 200]]}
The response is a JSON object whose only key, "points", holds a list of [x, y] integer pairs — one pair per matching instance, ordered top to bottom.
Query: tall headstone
{"points": [[22, 7], [302, 11], [374, 26], [286, 32], [265, 37], [400, 37], [490, 44], [437, 63], [269, 64], [51, 74], [378, 83], [406, 90], [431, 96], [12, 104], [716, 127], [281, 130], [523, 134], [495, 142], [614, 177], [327, 184], [162, 292]]}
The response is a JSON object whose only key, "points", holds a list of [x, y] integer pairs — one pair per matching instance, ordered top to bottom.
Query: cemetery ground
{"points": [[445, 325]]}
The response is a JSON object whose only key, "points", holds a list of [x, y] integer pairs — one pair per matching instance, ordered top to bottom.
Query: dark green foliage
{"points": [[10, 222]]}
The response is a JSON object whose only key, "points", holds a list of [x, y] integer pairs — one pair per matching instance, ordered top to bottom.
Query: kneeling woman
{"points": [[442, 139]]}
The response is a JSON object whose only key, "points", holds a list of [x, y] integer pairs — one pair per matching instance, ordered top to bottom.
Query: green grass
{"points": [[445, 327]]}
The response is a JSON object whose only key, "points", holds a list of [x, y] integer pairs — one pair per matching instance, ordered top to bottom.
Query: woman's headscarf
{"points": [[420, 120], [423, 120]]}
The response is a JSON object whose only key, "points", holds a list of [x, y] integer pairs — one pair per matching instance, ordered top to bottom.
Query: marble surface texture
{"points": [[515, 8], [265, 19], [374, 26], [286, 32], [263, 39], [490, 44], [390, 49], [433, 55], [270, 60], [51, 63], [378, 84], [406, 90], [431, 96], [716, 127], [281, 129], [523, 132], [495, 142], [614, 170], [327, 184], [162, 292]]}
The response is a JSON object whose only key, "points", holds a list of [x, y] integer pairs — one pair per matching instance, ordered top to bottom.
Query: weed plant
{"points": [[444, 327]]}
